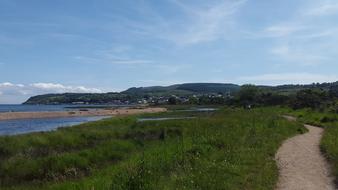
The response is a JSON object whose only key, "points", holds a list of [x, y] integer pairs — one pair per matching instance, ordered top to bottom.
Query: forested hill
{"points": [[184, 89], [292, 89], [162, 93], [132, 94], [70, 98]]}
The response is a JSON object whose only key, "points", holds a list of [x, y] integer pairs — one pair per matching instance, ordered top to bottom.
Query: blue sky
{"points": [[98, 46]]}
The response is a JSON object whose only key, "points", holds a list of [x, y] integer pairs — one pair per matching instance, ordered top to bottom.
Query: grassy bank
{"points": [[228, 149]]}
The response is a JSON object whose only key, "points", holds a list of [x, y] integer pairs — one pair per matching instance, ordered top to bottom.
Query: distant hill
{"points": [[184, 89], [187, 89], [292, 89], [133, 93], [69, 98]]}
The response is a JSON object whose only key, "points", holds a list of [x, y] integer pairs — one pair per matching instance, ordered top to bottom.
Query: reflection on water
{"points": [[42, 108], [200, 110], [163, 118], [178, 118], [12, 127]]}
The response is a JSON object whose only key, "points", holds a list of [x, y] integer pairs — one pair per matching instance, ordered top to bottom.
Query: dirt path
{"points": [[301, 163]]}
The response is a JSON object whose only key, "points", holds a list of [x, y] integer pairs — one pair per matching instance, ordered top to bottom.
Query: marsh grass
{"points": [[227, 149]]}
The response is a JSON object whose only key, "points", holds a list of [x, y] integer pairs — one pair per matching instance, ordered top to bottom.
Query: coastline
{"points": [[76, 113]]}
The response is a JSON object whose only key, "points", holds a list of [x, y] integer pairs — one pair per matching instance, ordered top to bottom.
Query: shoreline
{"points": [[77, 113]]}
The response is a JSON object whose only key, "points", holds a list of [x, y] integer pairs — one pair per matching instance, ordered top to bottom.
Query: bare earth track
{"points": [[301, 164]]}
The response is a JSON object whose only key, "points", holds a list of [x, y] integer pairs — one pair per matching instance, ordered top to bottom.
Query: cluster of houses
{"points": [[178, 99], [158, 100]]}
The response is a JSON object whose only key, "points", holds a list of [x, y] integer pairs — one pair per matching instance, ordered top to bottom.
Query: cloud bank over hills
{"points": [[17, 93]]}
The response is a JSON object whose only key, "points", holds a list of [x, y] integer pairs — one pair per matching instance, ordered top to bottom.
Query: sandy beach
{"points": [[75, 113]]}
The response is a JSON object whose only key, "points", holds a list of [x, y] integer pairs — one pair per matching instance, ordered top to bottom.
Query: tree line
{"points": [[253, 96]]}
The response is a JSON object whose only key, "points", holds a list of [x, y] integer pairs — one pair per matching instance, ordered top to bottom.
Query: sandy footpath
{"points": [[98, 112], [301, 164]]}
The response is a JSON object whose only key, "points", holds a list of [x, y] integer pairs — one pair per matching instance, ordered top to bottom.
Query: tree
{"points": [[334, 90], [248, 95], [309, 98], [272, 99], [172, 100], [193, 100]]}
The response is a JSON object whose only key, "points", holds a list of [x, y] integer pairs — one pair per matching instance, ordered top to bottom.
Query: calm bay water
{"points": [[32, 108], [42, 108], [163, 118], [21, 126]]}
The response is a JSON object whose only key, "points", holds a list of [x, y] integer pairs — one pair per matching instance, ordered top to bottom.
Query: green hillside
{"points": [[188, 88], [132, 95], [67, 98]]}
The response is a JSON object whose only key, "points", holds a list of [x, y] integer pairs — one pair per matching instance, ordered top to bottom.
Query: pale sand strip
{"points": [[98, 112]]}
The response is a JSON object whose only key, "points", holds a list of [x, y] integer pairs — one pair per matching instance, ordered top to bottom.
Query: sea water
{"points": [[21, 126]]}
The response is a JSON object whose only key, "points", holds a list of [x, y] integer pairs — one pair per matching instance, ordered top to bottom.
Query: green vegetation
{"points": [[185, 89], [153, 94], [297, 96], [313, 97], [69, 98], [227, 149], [230, 149]]}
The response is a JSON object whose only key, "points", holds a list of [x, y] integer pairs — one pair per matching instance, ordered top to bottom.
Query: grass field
{"points": [[227, 149]]}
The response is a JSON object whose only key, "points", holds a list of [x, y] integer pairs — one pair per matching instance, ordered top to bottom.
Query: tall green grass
{"points": [[228, 149]]}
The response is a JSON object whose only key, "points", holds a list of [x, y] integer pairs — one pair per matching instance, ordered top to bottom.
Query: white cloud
{"points": [[323, 8], [201, 22], [206, 24], [281, 30], [327, 33], [305, 39], [118, 55], [298, 56], [112, 59], [130, 61], [169, 69], [288, 78], [166, 82], [6, 84], [59, 88], [17, 93]]}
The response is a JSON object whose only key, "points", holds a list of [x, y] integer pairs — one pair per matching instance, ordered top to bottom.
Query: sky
{"points": [[49, 46]]}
